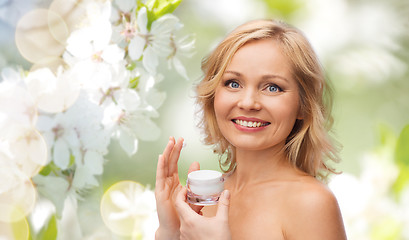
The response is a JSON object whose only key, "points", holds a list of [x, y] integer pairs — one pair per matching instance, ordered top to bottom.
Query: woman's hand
{"points": [[166, 189], [195, 226]]}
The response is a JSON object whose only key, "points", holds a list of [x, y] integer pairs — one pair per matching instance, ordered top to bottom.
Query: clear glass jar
{"points": [[204, 187]]}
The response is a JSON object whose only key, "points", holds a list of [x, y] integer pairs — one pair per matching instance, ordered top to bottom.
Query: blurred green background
{"points": [[363, 45]]}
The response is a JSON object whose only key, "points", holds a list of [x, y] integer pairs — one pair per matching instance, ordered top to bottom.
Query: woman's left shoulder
{"points": [[312, 191], [311, 197], [317, 211]]}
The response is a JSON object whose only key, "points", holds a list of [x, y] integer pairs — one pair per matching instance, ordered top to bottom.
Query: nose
{"points": [[249, 101]]}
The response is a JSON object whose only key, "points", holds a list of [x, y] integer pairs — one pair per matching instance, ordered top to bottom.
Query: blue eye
{"points": [[232, 84], [274, 88]]}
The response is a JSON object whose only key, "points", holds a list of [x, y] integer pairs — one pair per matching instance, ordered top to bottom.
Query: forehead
{"points": [[260, 57]]}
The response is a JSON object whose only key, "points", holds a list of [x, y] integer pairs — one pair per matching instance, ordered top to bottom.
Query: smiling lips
{"points": [[250, 124]]}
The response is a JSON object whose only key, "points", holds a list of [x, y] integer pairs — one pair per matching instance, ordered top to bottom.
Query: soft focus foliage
{"points": [[98, 73], [369, 208]]}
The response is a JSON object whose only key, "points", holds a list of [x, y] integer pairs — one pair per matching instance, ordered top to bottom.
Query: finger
{"points": [[166, 154], [174, 157], [193, 167], [160, 174], [181, 206], [223, 206]]}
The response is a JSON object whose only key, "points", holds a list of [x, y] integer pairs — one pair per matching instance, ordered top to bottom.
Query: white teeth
{"points": [[249, 123]]}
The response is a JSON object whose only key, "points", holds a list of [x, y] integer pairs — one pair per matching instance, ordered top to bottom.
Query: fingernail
{"points": [[226, 194]]}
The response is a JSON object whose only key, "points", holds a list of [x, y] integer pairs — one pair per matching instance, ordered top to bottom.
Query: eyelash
{"points": [[229, 82], [274, 85]]}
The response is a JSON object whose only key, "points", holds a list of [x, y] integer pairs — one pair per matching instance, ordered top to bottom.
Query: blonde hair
{"points": [[309, 146]]}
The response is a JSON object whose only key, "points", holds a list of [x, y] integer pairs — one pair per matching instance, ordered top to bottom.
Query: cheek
{"points": [[219, 104], [287, 109]]}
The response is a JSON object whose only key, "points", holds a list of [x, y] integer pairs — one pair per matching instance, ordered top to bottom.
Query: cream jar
{"points": [[204, 187]]}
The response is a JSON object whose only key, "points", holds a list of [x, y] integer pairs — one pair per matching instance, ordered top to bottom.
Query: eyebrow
{"points": [[268, 76]]}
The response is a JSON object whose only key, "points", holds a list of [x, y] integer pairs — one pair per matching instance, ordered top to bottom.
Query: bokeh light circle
{"points": [[72, 11], [41, 34], [53, 63], [29, 149], [17, 195], [123, 210], [18, 230]]}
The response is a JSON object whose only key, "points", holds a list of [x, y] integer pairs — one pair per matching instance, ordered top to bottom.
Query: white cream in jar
{"points": [[204, 187]]}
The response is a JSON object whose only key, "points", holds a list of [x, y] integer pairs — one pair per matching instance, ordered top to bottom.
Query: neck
{"points": [[259, 166]]}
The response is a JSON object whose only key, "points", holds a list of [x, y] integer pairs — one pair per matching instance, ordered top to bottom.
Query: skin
{"points": [[167, 187], [267, 197]]}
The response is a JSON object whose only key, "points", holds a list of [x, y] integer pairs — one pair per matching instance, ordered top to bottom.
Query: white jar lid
{"points": [[205, 176]]}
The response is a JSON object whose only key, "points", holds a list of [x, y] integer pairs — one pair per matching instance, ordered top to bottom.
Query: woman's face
{"points": [[257, 101]]}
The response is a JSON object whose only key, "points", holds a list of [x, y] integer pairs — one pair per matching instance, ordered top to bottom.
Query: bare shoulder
{"points": [[314, 210]]}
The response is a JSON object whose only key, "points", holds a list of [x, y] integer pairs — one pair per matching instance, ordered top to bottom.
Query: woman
{"points": [[264, 109]]}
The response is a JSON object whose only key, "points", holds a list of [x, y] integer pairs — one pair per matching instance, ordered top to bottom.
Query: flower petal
{"points": [[125, 5], [142, 20], [164, 25], [135, 48], [113, 54], [150, 60], [179, 67], [128, 99], [128, 142], [61, 154], [94, 161], [84, 178], [53, 188]]}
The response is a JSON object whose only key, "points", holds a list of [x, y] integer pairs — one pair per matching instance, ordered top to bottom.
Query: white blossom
{"points": [[126, 16], [154, 42], [180, 47], [53, 93], [16, 104], [63, 119], [85, 141]]}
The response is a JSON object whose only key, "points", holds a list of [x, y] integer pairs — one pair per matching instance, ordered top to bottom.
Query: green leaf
{"points": [[151, 4], [165, 7], [158, 8], [285, 8], [131, 66], [134, 82], [402, 147], [72, 160], [402, 161], [51, 167], [46, 170], [401, 181], [49, 231]]}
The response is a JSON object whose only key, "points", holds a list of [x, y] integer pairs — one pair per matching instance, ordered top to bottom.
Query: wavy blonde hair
{"points": [[309, 146]]}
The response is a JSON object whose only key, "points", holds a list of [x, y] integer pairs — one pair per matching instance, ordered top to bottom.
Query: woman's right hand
{"points": [[166, 189]]}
